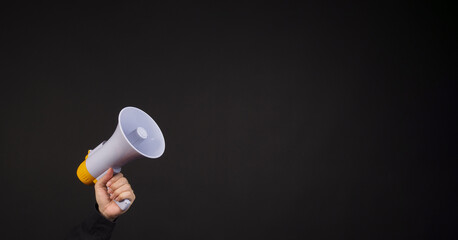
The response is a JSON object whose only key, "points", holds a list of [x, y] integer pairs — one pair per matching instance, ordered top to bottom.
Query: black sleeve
{"points": [[93, 227]]}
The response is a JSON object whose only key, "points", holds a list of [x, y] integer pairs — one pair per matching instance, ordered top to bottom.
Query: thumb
{"points": [[103, 181]]}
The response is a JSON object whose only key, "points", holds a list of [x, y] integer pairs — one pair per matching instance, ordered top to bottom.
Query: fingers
{"points": [[114, 179], [103, 181], [118, 182], [120, 189], [123, 192], [126, 195]]}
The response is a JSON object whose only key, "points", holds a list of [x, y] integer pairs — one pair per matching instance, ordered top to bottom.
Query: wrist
{"points": [[106, 216], [111, 219]]}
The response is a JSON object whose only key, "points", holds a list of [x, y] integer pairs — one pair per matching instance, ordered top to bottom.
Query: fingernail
{"points": [[108, 183]]}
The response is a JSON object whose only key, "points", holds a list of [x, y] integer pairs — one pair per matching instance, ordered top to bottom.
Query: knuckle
{"points": [[120, 182], [114, 187], [117, 192]]}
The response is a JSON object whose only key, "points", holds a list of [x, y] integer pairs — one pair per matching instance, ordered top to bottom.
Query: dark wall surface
{"points": [[282, 121]]}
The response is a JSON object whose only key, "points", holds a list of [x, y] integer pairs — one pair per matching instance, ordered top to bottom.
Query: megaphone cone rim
{"points": [[127, 140]]}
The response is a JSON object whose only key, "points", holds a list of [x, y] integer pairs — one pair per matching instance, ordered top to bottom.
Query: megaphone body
{"points": [[137, 135]]}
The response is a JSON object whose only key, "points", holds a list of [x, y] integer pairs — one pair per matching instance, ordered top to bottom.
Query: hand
{"points": [[110, 188]]}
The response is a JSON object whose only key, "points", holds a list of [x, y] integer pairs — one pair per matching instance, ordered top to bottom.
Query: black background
{"points": [[282, 121]]}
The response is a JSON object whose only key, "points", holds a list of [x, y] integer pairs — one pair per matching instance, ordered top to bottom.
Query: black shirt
{"points": [[93, 227]]}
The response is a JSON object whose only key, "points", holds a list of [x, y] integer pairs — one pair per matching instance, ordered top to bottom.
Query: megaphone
{"points": [[137, 135]]}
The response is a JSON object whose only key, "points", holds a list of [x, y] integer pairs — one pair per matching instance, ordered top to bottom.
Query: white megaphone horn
{"points": [[137, 135]]}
